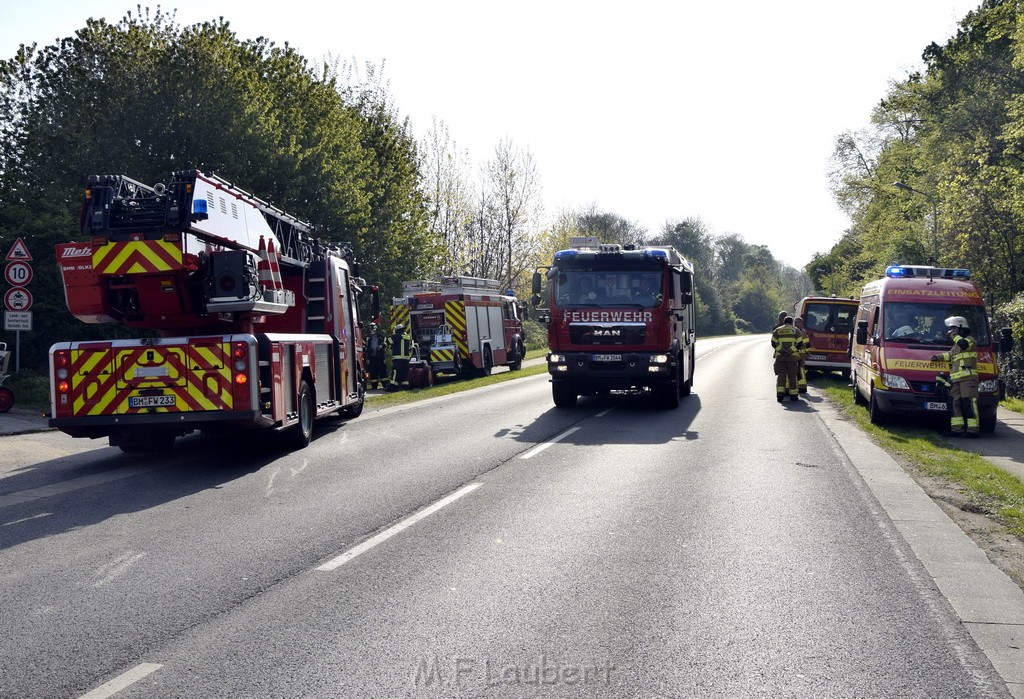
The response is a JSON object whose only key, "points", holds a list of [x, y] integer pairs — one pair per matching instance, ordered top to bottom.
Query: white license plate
{"points": [[607, 357], [816, 357], [151, 401], [935, 405]]}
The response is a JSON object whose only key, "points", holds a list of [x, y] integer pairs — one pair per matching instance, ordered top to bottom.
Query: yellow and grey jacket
{"points": [[786, 342], [963, 359]]}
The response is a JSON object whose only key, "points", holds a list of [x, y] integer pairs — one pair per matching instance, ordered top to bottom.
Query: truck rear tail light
{"points": [[241, 379]]}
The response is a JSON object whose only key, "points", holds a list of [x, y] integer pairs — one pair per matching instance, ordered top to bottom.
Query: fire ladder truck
{"points": [[251, 320], [461, 326]]}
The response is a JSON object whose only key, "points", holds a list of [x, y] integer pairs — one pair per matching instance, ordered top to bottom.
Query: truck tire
{"points": [[517, 361], [488, 362], [688, 384], [563, 393], [667, 394], [6, 399], [858, 399], [355, 409], [875, 413], [987, 423], [302, 432]]}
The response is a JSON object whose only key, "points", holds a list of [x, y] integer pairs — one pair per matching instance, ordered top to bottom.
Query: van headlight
{"points": [[659, 359], [895, 381], [990, 386]]}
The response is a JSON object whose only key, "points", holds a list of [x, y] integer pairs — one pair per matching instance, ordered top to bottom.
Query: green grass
{"points": [[447, 386], [1014, 404], [932, 453]]}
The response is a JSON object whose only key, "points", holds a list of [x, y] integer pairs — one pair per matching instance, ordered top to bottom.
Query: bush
{"points": [[1011, 367], [31, 389]]}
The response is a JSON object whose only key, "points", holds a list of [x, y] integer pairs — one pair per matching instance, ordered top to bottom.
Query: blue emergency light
{"points": [[910, 271]]}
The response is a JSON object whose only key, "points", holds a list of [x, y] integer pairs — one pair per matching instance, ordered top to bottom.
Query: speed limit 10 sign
{"points": [[18, 273]]}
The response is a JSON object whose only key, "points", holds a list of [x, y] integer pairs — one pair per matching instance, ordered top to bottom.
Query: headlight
{"points": [[556, 358], [659, 359], [895, 381], [990, 386]]}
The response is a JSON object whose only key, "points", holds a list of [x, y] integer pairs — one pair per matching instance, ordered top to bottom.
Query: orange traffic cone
{"points": [[275, 268], [264, 269]]}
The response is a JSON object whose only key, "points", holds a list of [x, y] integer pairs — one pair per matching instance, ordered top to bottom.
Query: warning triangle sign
{"points": [[18, 251]]}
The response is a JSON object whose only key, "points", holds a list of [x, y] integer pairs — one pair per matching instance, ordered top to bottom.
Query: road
{"points": [[727, 548]]}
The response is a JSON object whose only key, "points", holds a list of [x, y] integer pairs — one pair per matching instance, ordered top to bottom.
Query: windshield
{"points": [[609, 288], [830, 317], [925, 322]]}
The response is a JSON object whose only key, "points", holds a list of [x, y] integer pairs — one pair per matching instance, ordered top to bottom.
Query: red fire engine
{"points": [[620, 317], [255, 320], [461, 326]]}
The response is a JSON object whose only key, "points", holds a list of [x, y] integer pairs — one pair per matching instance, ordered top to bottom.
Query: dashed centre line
{"points": [[541, 447], [401, 526], [122, 681]]}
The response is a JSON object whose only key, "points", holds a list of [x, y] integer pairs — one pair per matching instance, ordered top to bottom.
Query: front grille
{"points": [[607, 333]]}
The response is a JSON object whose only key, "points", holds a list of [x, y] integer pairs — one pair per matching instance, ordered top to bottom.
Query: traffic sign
{"points": [[19, 251], [18, 273], [18, 299], [18, 321]]}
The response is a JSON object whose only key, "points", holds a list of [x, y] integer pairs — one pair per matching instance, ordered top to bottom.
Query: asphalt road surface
{"points": [[482, 545]]}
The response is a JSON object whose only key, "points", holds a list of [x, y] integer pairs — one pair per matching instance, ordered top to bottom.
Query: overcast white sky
{"points": [[726, 111]]}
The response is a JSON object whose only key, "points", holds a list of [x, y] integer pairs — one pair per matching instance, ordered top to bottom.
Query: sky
{"points": [[655, 111]]}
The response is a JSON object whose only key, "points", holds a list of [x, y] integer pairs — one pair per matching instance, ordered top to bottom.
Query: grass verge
{"points": [[453, 385], [1014, 404], [931, 453]]}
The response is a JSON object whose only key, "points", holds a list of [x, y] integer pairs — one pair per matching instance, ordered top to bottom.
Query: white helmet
{"points": [[956, 323]]}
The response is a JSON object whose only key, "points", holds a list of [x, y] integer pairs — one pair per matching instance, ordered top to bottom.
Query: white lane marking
{"points": [[605, 412], [541, 447], [74, 484], [26, 519], [401, 526], [116, 568], [122, 681]]}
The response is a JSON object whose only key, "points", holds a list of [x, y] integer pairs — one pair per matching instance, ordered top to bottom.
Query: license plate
{"points": [[607, 357], [816, 357], [151, 401], [935, 405]]}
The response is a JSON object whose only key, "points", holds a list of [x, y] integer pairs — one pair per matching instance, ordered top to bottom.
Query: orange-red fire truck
{"points": [[620, 317], [255, 320], [461, 326]]}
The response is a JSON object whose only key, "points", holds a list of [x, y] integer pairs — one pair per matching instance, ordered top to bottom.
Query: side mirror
{"points": [[535, 289], [862, 332], [1005, 340]]}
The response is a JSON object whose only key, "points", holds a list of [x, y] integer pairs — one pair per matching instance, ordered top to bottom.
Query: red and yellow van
{"points": [[828, 322], [900, 326]]}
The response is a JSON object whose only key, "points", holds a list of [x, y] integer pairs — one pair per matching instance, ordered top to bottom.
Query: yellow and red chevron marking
{"points": [[136, 257], [399, 314], [455, 316], [442, 355], [101, 385]]}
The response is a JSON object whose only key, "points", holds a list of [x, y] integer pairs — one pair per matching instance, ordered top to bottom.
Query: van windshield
{"points": [[827, 317], [924, 323]]}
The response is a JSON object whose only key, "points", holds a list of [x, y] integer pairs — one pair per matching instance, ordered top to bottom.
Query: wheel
{"points": [[517, 362], [485, 370], [415, 377], [688, 384], [564, 394], [667, 394], [6, 399], [858, 399], [355, 409], [875, 413], [987, 423], [301, 434]]}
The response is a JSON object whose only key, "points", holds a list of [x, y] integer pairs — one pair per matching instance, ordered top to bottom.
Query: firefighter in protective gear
{"points": [[785, 341], [377, 345], [803, 349], [401, 353], [963, 377]]}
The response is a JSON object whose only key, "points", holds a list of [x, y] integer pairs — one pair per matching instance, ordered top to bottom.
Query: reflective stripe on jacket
{"points": [[785, 341], [962, 357]]}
